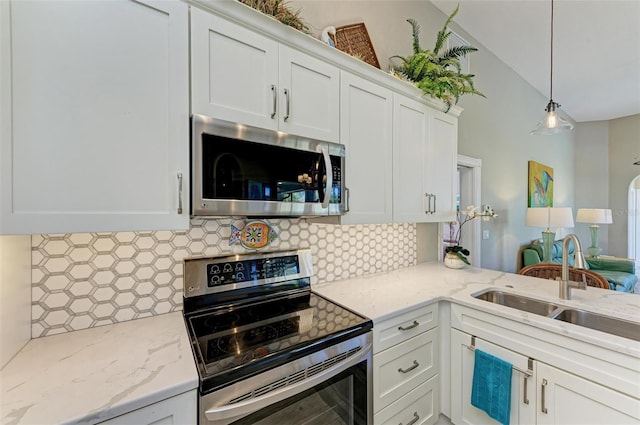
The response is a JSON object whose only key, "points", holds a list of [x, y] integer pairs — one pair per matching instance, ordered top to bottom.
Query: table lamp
{"points": [[594, 216], [549, 217]]}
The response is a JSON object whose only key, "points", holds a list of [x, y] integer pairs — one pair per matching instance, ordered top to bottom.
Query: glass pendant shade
{"points": [[552, 123]]}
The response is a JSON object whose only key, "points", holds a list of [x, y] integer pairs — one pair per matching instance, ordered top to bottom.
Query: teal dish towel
{"points": [[491, 387]]}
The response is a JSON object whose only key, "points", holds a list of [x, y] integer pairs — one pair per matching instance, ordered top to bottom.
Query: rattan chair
{"points": [[553, 271]]}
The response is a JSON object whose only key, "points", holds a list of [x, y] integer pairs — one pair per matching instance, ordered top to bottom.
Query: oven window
{"points": [[341, 400]]}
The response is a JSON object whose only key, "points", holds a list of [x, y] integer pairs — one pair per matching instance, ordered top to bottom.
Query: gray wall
{"points": [[495, 129], [624, 149], [592, 177]]}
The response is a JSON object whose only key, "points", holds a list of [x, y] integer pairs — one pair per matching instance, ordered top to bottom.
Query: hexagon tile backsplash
{"points": [[81, 280]]}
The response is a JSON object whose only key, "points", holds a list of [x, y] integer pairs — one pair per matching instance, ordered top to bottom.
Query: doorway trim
{"points": [[470, 192]]}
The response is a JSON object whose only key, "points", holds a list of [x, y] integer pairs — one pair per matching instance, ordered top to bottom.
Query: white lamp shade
{"points": [[594, 216], [537, 217], [549, 217], [561, 217]]}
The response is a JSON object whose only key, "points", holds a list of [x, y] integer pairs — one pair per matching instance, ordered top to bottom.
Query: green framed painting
{"points": [[540, 185]]}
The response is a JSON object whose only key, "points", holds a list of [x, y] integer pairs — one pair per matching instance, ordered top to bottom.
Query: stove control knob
{"points": [[227, 268], [239, 276], [215, 279]]}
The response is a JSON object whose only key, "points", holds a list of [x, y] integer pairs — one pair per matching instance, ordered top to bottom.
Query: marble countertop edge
{"points": [[429, 283]]}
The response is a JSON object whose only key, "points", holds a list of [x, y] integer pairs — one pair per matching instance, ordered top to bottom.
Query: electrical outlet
{"points": [[485, 234]]}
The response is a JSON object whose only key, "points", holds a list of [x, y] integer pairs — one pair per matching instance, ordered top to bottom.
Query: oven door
{"points": [[329, 386]]}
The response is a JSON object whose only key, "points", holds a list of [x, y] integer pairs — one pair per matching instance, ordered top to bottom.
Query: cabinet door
{"points": [[234, 72], [309, 96], [366, 112], [99, 118], [410, 138], [442, 162], [462, 362], [564, 398], [180, 409]]}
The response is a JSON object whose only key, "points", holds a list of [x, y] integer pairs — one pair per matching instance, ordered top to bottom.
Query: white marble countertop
{"points": [[387, 294], [95, 374]]}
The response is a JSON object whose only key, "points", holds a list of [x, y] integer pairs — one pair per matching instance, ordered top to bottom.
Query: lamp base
{"points": [[548, 237], [594, 250]]}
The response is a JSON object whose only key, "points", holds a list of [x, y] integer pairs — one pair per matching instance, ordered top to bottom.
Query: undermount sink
{"points": [[527, 304], [587, 319], [601, 323]]}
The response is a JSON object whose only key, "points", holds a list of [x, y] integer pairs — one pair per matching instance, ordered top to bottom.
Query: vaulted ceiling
{"points": [[596, 73]]}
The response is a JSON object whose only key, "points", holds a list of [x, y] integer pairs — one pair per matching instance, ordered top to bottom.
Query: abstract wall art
{"points": [[540, 185]]}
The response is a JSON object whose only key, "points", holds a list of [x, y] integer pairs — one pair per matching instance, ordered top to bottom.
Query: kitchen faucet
{"points": [[565, 284]]}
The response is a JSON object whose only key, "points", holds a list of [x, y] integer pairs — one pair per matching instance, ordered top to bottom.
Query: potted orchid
{"points": [[456, 255]]}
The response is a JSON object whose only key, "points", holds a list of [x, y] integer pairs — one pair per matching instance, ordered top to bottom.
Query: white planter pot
{"points": [[452, 261]]}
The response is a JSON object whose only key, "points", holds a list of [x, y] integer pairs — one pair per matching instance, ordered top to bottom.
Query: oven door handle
{"points": [[233, 412]]}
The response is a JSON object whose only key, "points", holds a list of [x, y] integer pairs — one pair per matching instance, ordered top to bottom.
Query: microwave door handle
{"points": [[329, 173]]}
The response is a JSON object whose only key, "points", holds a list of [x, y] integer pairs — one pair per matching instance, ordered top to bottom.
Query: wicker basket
{"points": [[354, 40]]}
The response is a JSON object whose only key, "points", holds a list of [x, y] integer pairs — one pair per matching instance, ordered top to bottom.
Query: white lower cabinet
{"points": [[462, 364], [405, 368], [542, 391], [564, 398], [177, 410]]}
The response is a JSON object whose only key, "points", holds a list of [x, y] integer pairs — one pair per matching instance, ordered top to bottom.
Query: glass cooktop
{"points": [[233, 342]]}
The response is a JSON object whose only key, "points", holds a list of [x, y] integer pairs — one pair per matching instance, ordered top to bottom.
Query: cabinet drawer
{"points": [[400, 328], [403, 367], [420, 405], [180, 409]]}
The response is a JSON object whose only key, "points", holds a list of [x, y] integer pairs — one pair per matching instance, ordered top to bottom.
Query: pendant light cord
{"points": [[551, 79]]}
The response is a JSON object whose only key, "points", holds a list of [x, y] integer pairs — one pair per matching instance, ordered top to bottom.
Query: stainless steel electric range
{"points": [[268, 349]]}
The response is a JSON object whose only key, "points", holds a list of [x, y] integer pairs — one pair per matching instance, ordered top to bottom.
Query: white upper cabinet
{"points": [[234, 72], [241, 76], [95, 116], [366, 131], [410, 138], [424, 162], [442, 164]]}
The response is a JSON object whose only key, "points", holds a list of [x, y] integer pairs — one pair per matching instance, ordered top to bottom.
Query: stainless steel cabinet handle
{"points": [[274, 93], [287, 103], [179, 193], [347, 193], [428, 196], [435, 200], [415, 323], [415, 365], [525, 398], [542, 403], [414, 420]]}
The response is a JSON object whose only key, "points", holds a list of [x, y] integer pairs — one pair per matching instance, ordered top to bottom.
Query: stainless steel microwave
{"points": [[246, 171]]}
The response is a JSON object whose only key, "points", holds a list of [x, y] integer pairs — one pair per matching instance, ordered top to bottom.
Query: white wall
{"points": [[495, 129], [624, 149], [15, 295]]}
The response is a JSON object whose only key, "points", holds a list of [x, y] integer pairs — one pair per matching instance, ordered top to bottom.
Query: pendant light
{"points": [[552, 123]]}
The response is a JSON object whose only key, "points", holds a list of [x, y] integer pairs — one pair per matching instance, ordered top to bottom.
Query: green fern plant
{"points": [[437, 72]]}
